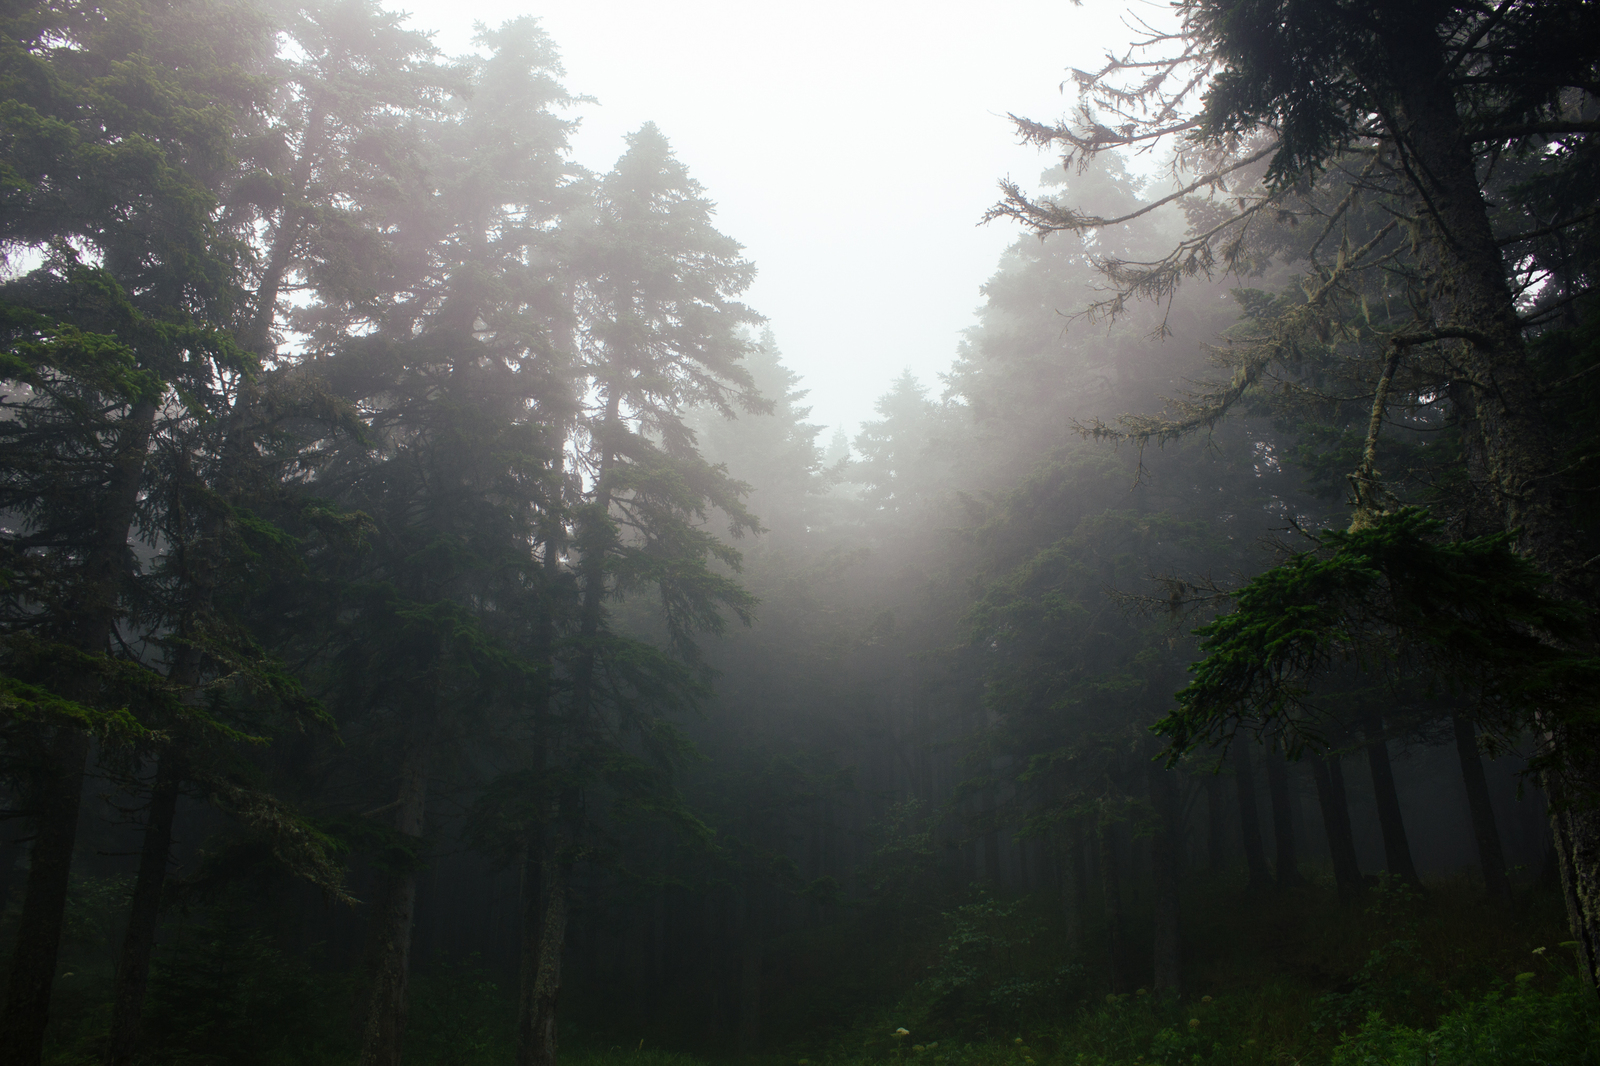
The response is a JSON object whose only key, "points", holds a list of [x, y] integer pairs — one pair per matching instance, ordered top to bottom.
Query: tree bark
{"points": [[1510, 443], [1329, 777], [55, 793], [1575, 821], [1216, 842], [1396, 848], [1255, 854], [1490, 855], [1165, 863], [1288, 870], [1072, 887], [1111, 887], [144, 915], [531, 936], [552, 940], [389, 952], [749, 968]]}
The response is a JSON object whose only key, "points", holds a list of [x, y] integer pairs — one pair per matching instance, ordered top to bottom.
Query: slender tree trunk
{"points": [[597, 535], [55, 786], [55, 792], [1283, 822], [1336, 823], [991, 842], [1216, 842], [1396, 849], [1255, 854], [1490, 855], [1165, 862], [1111, 886], [1072, 887], [144, 916], [531, 934], [552, 941], [658, 946], [389, 953], [749, 968]]}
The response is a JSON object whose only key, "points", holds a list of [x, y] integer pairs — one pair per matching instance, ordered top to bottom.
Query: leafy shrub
{"points": [[986, 977], [222, 994], [459, 1017], [1521, 1028]]}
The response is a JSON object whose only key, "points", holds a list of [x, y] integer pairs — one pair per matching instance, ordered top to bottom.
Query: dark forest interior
{"points": [[433, 631]]}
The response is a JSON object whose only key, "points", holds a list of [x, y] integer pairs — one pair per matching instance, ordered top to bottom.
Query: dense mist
{"points": [[435, 628]]}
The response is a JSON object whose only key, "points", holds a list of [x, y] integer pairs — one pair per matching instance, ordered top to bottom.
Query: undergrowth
{"points": [[1409, 978]]}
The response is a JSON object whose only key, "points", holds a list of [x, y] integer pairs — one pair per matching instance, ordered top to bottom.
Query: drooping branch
{"points": [[1049, 217], [1252, 361]]}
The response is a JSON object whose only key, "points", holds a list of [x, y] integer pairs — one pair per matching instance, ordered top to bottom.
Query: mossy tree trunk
{"points": [[1509, 441], [541, 1047]]}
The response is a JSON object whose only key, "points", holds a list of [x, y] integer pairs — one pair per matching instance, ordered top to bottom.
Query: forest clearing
{"points": [[434, 631]]}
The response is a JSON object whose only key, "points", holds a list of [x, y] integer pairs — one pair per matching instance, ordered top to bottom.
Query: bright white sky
{"points": [[850, 146]]}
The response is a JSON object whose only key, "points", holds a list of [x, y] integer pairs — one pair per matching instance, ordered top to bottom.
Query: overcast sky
{"points": [[850, 146]]}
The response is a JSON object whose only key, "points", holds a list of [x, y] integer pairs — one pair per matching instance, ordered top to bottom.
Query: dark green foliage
{"points": [[1315, 72], [379, 488], [1393, 599], [989, 977], [222, 992], [461, 1017], [1518, 1027]]}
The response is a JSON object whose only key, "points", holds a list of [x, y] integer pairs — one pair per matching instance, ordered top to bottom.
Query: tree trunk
{"points": [[1509, 441], [597, 535], [55, 785], [55, 792], [1283, 822], [1336, 823], [1575, 825], [991, 842], [1216, 842], [1396, 849], [1255, 855], [1490, 855], [1165, 862], [1111, 886], [1072, 887], [144, 916], [531, 934], [552, 940], [389, 952], [749, 969]]}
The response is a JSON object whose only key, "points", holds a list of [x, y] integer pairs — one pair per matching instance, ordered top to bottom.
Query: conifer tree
{"points": [[1418, 100], [117, 150], [659, 333]]}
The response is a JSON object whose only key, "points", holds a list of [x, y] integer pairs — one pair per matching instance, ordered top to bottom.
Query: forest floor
{"points": [[1277, 977], [1435, 978]]}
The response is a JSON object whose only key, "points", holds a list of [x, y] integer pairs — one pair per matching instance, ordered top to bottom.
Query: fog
{"points": [[851, 147], [590, 555]]}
